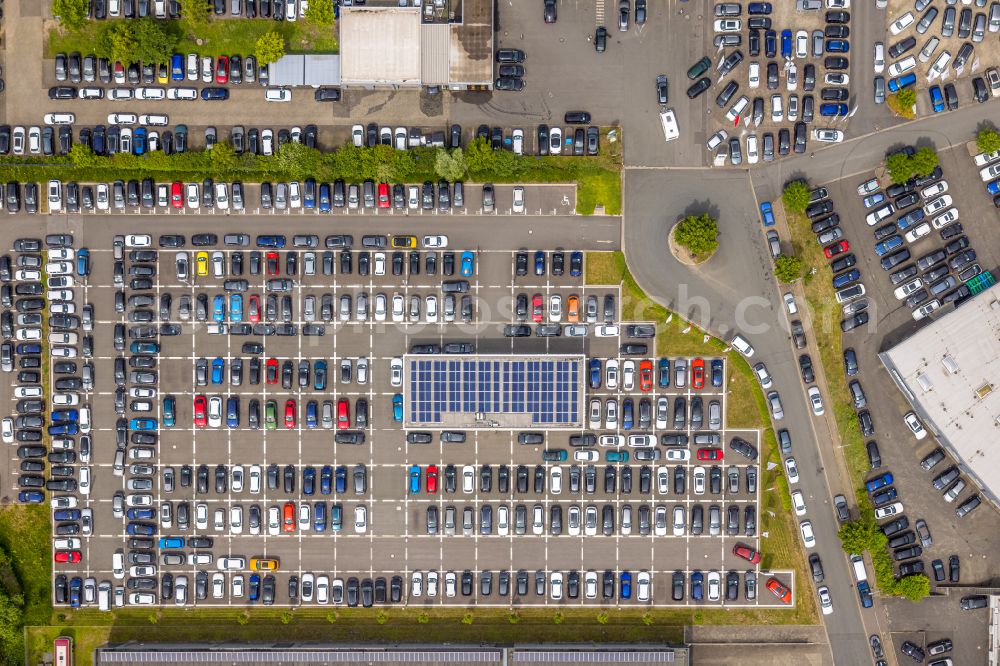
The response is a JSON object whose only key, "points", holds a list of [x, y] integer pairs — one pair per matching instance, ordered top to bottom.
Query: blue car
{"points": [[759, 8], [786, 43], [838, 46], [177, 67], [900, 82], [210, 94], [937, 100], [832, 109], [139, 141], [993, 187], [309, 193], [324, 198], [767, 214], [913, 217], [276, 242], [888, 245], [83, 262], [539, 263], [468, 264], [575, 264], [846, 278], [235, 307], [219, 308], [144, 347], [218, 370], [717, 372], [595, 373], [663, 373], [319, 376], [397, 408], [169, 411], [233, 412], [311, 414], [627, 414], [65, 416], [142, 424], [64, 429], [415, 479], [309, 480], [326, 480], [879, 482], [341, 484], [31, 497], [66, 514], [143, 514], [319, 516], [336, 517], [140, 529], [171, 542], [626, 585], [697, 586], [75, 591], [254, 592], [865, 592]]}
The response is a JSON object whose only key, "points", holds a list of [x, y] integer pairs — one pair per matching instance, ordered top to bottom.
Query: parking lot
{"points": [[277, 435]]}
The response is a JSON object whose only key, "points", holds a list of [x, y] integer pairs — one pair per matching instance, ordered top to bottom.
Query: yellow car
{"points": [[162, 74], [404, 242], [201, 264], [263, 564]]}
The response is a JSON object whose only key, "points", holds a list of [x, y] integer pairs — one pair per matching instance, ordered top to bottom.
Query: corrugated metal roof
{"points": [[380, 45], [434, 53]]}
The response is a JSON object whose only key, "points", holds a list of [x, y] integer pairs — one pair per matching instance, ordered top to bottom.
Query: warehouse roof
{"points": [[380, 45]]}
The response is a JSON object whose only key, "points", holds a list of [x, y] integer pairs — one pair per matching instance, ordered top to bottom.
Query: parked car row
{"points": [[232, 69]]}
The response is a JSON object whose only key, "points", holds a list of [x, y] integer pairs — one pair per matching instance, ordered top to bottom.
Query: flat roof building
{"points": [[949, 372]]}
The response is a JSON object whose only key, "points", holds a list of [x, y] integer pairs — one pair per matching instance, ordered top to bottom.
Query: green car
{"points": [[699, 68], [169, 411], [270, 415], [554, 455], [616, 456]]}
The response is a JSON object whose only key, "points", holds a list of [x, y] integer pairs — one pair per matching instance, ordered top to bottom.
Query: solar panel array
{"points": [[545, 388], [295, 656], [594, 657]]}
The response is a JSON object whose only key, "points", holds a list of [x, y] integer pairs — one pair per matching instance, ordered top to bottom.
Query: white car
{"points": [[901, 24], [728, 25], [801, 44], [879, 58], [753, 75], [792, 78], [150, 93], [182, 93], [120, 94], [278, 95], [777, 108], [737, 109], [122, 119], [358, 135], [826, 135], [716, 139], [517, 141], [753, 155], [867, 187], [939, 187], [518, 201], [938, 204], [945, 218], [917, 232], [138, 240], [436, 242], [902, 292], [790, 305], [924, 310], [396, 371], [611, 374], [763, 376], [816, 400], [215, 411], [611, 416], [913, 423], [7, 429], [677, 454], [586, 455], [791, 470], [698, 477], [798, 503], [887, 511], [360, 519], [273, 520], [679, 524], [808, 538], [231, 563], [118, 564], [450, 581], [590, 584], [218, 585], [714, 585], [556, 586], [643, 586], [322, 589], [825, 600]]}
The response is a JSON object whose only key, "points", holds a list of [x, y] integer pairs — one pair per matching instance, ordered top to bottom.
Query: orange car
{"points": [[573, 309], [698, 374], [646, 376], [289, 517], [779, 590]]}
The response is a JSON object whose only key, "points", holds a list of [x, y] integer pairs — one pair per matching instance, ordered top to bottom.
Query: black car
{"points": [[509, 55], [699, 87]]}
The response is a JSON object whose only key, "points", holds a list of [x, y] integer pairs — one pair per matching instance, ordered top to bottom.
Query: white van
{"points": [[850, 293], [742, 346], [858, 568], [104, 596]]}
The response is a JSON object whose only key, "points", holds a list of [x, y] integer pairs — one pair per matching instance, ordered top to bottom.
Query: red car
{"points": [[222, 70], [176, 195], [383, 195], [834, 249], [272, 263], [536, 308], [253, 309], [271, 371], [698, 374], [646, 376], [200, 410], [289, 414], [343, 414], [710, 453], [432, 479], [288, 519], [747, 553], [67, 556], [779, 590]]}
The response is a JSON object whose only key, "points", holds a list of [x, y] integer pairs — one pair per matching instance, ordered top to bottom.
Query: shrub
{"points": [[71, 13], [320, 13], [270, 47], [907, 97], [988, 140], [450, 166], [796, 196], [698, 233], [787, 268], [286, 617], [332, 617], [381, 617], [513, 617], [243, 618], [423, 618], [467, 618], [558, 618], [603, 618], [647, 619]]}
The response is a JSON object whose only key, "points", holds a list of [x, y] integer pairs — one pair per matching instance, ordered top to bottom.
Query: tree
{"points": [[320, 12], [71, 13], [116, 41], [154, 42], [270, 47], [906, 97], [988, 141], [223, 157], [924, 161], [486, 164], [450, 166], [900, 167], [796, 196], [697, 233], [787, 268], [858, 536], [914, 587], [11, 629]]}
